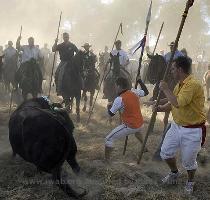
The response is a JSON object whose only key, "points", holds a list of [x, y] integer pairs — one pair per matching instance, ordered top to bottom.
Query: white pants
{"points": [[119, 132], [188, 140]]}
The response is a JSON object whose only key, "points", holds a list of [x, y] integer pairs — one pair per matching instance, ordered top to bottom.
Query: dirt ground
{"points": [[123, 179]]}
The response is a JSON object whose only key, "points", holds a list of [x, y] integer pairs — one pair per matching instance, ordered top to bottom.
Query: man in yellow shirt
{"points": [[187, 132]]}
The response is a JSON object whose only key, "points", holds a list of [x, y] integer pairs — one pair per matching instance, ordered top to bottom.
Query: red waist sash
{"points": [[203, 127]]}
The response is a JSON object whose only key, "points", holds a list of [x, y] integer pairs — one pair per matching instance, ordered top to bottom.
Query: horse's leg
{"points": [[92, 93], [24, 94], [34, 94], [78, 99], [85, 100], [67, 103], [71, 104]]}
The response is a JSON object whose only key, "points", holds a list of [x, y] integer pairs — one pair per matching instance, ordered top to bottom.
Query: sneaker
{"points": [[171, 178], [189, 187]]}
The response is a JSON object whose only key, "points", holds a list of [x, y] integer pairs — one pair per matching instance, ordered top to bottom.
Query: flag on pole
{"points": [[149, 14], [137, 46]]}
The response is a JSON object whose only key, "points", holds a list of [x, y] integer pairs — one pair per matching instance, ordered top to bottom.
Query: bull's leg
{"points": [[78, 99], [85, 101], [71, 158], [73, 163], [63, 184]]}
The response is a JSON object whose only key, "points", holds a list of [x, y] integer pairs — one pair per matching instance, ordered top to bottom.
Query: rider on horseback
{"points": [[123, 57], [119, 61], [10, 65], [88, 68], [64, 71], [90, 74], [29, 75]]}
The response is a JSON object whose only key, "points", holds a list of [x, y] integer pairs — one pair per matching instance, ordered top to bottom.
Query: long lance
{"points": [[158, 38], [153, 53], [140, 61], [53, 67], [104, 75], [12, 93], [153, 117]]}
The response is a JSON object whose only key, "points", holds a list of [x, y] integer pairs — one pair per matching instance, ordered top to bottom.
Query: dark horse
{"points": [[115, 71], [155, 74], [29, 78], [91, 79], [68, 82]]}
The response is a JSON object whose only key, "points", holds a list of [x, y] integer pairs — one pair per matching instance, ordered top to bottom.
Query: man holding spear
{"points": [[67, 50], [128, 104], [188, 130]]}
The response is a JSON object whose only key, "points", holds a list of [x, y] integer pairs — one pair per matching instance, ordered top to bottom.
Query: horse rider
{"points": [[66, 50], [123, 56], [89, 62], [10, 64], [29, 75]]}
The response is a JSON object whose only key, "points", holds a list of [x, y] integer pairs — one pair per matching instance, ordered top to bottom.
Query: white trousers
{"points": [[119, 132], [188, 140]]}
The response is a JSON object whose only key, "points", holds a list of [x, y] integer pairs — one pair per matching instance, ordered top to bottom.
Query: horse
{"points": [[9, 70], [155, 73], [29, 78], [91, 79], [68, 80], [109, 83]]}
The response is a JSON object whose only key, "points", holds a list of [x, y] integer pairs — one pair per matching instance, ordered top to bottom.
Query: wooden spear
{"points": [[158, 38], [153, 53], [140, 61], [53, 67], [104, 75], [12, 93], [153, 117]]}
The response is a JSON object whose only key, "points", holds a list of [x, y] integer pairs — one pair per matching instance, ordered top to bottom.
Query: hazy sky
{"points": [[39, 19]]}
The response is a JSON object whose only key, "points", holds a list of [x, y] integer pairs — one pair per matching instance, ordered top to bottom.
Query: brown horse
{"points": [[115, 71], [155, 74]]}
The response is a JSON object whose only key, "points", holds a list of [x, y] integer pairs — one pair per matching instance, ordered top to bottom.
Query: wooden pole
{"points": [[158, 38], [140, 63], [103, 77], [50, 86], [12, 92], [153, 117]]}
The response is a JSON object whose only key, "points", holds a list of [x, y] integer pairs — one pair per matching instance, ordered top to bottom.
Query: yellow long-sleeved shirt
{"points": [[190, 98]]}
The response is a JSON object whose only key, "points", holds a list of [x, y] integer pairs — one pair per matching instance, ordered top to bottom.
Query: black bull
{"points": [[44, 137]]}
